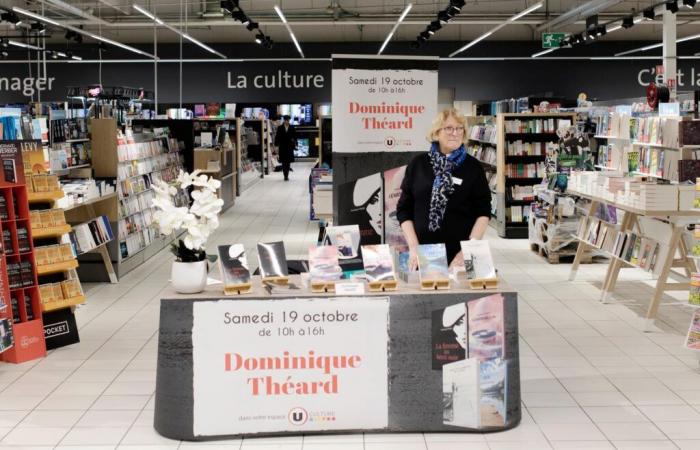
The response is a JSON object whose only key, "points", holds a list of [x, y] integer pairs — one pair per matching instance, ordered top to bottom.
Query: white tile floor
{"points": [[590, 378]]}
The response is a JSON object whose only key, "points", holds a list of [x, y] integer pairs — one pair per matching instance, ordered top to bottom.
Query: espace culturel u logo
{"points": [[390, 142], [298, 416]]}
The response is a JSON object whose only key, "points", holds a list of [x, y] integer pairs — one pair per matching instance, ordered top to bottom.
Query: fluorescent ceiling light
{"points": [[75, 11], [396, 25], [498, 27], [613, 28], [175, 30], [81, 31], [291, 33], [23, 45], [651, 47], [543, 52]]}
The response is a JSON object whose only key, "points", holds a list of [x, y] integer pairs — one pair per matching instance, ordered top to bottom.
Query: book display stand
{"points": [[677, 221], [484, 283], [430, 285], [322, 286], [383, 286], [238, 289], [21, 303]]}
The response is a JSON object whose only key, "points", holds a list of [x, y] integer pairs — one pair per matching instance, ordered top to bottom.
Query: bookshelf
{"points": [[325, 139], [523, 143], [482, 145], [70, 146], [249, 155], [133, 161], [20, 305]]}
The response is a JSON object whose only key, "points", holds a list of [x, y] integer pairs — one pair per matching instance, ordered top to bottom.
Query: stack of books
{"points": [[483, 133], [90, 235]]}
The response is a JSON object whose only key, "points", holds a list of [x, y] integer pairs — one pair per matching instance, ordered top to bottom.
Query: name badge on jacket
{"points": [[457, 181]]}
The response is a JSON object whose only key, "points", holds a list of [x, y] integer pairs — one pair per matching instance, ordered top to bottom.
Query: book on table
{"points": [[234, 265]]}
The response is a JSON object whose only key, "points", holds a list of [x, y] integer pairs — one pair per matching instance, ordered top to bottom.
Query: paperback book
{"points": [[360, 202], [393, 235], [346, 239], [272, 260], [477, 260], [432, 262], [378, 263], [323, 264], [234, 265], [485, 325], [449, 335], [6, 337], [692, 340], [461, 393]]}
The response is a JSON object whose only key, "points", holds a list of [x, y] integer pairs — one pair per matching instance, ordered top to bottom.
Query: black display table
{"points": [[295, 362]]}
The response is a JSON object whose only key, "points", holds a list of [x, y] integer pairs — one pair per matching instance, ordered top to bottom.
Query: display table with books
{"points": [[283, 360]]}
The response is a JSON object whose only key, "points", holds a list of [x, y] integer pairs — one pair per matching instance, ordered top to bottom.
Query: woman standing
{"points": [[445, 197]]}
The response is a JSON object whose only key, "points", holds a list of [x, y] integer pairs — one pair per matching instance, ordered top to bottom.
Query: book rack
{"points": [[514, 170], [676, 220], [484, 283], [383, 285], [434, 285], [322, 286], [238, 289], [20, 304]]}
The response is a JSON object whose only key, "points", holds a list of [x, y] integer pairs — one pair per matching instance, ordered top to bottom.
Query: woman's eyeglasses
{"points": [[453, 130]]}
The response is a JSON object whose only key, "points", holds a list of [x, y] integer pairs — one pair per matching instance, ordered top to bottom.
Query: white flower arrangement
{"points": [[199, 220]]}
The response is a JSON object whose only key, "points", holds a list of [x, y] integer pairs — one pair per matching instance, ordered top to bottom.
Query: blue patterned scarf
{"points": [[443, 165]]}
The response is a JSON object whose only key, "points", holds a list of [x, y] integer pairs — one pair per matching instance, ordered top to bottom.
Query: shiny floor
{"points": [[591, 379]]}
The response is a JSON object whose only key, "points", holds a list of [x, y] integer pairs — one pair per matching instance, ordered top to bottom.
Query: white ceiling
{"points": [[313, 20]]}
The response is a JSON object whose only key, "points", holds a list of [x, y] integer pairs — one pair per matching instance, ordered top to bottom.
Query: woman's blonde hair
{"points": [[440, 120]]}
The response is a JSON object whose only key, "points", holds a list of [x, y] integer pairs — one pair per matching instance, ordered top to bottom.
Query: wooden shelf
{"points": [[493, 144], [524, 159], [44, 197], [92, 202], [41, 233], [57, 267], [65, 303]]}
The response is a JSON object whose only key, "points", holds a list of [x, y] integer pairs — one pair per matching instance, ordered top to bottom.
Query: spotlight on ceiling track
{"points": [[689, 3], [229, 5], [457, 5], [672, 6], [649, 13], [10, 17], [628, 22], [252, 25], [434, 25], [38, 27], [259, 38], [4, 55]]}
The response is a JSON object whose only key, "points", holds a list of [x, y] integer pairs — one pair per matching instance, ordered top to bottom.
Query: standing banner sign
{"points": [[383, 104], [290, 365]]}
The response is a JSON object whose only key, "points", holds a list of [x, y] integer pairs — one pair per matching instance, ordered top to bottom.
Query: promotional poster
{"points": [[385, 104], [393, 235], [292, 365]]}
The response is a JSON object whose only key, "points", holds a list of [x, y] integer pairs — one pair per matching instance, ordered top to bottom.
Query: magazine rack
{"points": [[383, 285], [434, 285], [238, 289]]}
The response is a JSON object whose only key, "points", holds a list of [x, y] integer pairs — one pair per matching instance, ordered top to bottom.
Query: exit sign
{"points": [[552, 40]]}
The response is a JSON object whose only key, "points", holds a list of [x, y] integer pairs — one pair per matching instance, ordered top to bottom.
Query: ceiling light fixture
{"points": [[689, 3], [672, 6], [649, 13], [628, 22], [431, 27], [498, 27], [289, 29], [175, 30], [83, 32], [23, 45], [651, 47], [543, 52]]}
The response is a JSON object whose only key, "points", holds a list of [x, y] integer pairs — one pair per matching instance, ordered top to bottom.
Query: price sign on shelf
{"points": [[552, 40]]}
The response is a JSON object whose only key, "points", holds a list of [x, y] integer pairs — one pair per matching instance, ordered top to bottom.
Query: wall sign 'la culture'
{"points": [[280, 80]]}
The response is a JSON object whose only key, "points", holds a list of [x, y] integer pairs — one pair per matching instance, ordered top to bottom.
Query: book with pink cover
{"points": [[323, 264], [485, 318]]}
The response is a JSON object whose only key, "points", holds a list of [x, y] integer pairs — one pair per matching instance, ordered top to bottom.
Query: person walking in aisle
{"points": [[286, 142], [445, 197]]}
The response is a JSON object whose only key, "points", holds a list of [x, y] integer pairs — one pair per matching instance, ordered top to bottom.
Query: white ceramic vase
{"points": [[189, 277]]}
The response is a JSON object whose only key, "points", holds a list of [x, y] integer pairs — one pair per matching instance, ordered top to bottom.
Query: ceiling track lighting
{"points": [[689, 3], [672, 6], [233, 7], [279, 12], [649, 13], [9, 16], [443, 18], [512, 19], [628, 22], [252, 26], [80, 31], [178, 31]]}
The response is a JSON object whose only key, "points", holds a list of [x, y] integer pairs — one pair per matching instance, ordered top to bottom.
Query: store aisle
{"points": [[590, 378]]}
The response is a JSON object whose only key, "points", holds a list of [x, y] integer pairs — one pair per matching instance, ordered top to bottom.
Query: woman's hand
{"points": [[413, 259], [457, 261]]}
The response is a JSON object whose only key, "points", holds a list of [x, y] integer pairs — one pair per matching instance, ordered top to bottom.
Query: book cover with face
{"points": [[360, 202], [393, 235], [346, 239], [272, 259], [477, 260], [378, 262], [432, 262], [323, 263], [234, 265], [485, 319], [449, 335]]}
